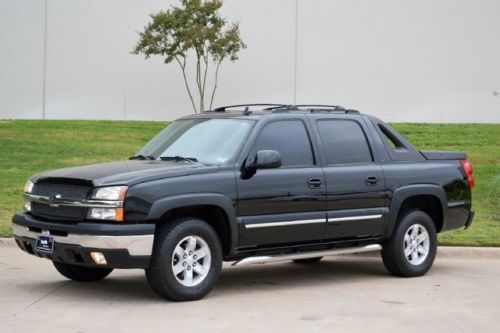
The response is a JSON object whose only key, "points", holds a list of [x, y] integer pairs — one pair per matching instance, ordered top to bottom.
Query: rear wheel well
{"points": [[429, 204], [215, 216]]}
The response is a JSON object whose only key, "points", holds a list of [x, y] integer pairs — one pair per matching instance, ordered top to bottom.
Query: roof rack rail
{"points": [[271, 105], [321, 106], [279, 108], [315, 108]]}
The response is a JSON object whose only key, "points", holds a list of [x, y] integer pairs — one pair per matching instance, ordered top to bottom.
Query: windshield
{"points": [[209, 141]]}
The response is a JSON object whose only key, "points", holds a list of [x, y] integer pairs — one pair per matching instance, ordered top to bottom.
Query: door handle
{"points": [[371, 180], [314, 183]]}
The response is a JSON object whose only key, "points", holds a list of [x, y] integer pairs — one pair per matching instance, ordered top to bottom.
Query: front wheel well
{"points": [[429, 204], [215, 216]]}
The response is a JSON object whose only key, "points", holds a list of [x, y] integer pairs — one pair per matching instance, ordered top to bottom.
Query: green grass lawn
{"points": [[31, 146]]}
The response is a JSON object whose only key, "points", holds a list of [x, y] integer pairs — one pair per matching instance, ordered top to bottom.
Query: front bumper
{"points": [[123, 245]]}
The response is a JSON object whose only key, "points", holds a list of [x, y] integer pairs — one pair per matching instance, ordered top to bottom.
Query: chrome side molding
{"points": [[354, 218], [285, 223], [305, 255]]}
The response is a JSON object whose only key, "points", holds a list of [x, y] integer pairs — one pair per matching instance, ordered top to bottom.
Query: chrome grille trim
{"points": [[68, 191], [87, 203]]}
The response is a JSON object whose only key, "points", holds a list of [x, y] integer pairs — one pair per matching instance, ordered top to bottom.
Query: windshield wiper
{"points": [[142, 157], [178, 159]]}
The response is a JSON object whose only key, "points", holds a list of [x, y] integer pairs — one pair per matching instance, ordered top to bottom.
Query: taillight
{"points": [[468, 172]]}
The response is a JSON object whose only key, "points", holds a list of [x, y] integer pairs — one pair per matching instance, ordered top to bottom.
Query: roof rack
{"points": [[271, 105], [282, 108], [316, 108]]}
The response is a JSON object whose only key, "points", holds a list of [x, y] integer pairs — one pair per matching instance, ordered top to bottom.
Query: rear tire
{"points": [[412, 248], [307, 260], [186, 261], [81, 273]]}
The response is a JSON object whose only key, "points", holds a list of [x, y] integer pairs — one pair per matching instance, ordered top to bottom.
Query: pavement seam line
{"points": [[47, 295], [450, 319]]}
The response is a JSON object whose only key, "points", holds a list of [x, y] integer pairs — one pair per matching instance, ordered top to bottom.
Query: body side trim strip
{"points": [[354, 218], [285, 223]]}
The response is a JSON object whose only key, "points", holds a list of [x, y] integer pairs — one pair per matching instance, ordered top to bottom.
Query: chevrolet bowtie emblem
{"points": [[52, 200]]}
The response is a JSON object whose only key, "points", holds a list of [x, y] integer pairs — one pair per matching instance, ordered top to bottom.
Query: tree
{"points": [[195, 28]]}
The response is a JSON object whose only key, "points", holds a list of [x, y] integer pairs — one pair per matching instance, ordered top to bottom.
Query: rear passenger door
{"points": [[286, 204], [356, 204]]}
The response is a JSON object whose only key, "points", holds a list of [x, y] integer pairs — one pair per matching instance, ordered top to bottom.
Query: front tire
{"points": [[412, 248], [186, 261], [82, 273]]}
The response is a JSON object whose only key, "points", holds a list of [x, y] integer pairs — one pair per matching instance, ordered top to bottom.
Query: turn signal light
{"points": [[114, 214]]}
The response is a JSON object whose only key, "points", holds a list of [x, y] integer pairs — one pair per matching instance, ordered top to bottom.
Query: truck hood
{"points": [[124, 172]]}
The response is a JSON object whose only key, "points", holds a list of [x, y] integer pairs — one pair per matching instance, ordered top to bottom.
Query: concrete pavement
{"points": [[339, 294]]}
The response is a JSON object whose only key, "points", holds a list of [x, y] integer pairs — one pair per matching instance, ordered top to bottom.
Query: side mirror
{"points": [[264, 159], [267, 159]]}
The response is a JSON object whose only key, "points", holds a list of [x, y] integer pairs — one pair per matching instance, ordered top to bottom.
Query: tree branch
{"points": [[183, 67], [204, 78], [198, 80], [215, 83]]}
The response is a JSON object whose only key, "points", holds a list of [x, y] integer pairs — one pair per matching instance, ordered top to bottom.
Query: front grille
{"points": [[65, 191], [58, 213]]}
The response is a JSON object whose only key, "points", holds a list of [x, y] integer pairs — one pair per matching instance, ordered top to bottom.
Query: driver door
{"points": [[285, 204]]}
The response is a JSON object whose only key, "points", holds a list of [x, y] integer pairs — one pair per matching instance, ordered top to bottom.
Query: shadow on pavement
{"points": [[132, 286]]}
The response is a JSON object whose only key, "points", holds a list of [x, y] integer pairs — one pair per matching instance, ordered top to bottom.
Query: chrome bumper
{"points": [[137, 245]]}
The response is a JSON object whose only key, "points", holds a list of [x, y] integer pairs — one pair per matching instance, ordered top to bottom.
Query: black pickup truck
{"points": [[248, 184]]}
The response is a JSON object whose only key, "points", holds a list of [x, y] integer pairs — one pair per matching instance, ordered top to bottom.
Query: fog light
{"points": [[27, 205], [98, 258]]}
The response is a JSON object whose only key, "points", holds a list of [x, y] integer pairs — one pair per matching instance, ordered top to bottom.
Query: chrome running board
{"points": [[305, 255]]}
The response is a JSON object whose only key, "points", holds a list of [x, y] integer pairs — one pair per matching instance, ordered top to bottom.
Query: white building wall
{"points": [[415, 61]]}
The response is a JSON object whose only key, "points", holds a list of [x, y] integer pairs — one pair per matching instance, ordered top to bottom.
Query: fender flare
{"points": [[403, 193], [163, 205]]}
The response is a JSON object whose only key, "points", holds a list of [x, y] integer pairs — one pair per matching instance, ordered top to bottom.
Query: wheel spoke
{"points": [[414, 230], [422, 237], [407, 238], [191, 244], [420, 249], [179, 251], [407, 251], [201, 253], [414, 258], [177, 268], [200, 270], [188, 276]]}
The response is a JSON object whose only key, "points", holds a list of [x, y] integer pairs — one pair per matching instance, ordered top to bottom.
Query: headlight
{"points": [[29, 186], [110, 193]]}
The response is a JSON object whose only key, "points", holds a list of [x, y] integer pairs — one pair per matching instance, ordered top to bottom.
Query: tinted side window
{"points": [[290, 139], [344, 142]]}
